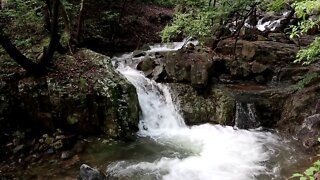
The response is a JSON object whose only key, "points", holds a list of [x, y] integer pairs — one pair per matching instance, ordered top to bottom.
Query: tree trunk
{"points": [[65, 18], [80, 22], [54, 39], [15, 54]]}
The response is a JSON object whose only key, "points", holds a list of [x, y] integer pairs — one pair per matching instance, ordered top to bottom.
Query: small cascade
{"points": [[159, 115], [246, 116], [202, 152]]}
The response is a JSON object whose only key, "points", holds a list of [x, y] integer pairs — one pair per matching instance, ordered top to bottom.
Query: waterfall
{"points": [[159, 114], [246, 116], [203, 152]]}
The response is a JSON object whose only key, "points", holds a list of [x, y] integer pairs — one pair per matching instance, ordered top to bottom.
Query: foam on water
{"points": [[173, 46], [214, 152]]}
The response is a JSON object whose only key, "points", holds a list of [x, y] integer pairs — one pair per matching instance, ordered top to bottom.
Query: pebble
{"points": [[65, 155]]}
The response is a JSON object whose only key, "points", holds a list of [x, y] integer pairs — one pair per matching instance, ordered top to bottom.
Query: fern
{"points": [[310, 54]]}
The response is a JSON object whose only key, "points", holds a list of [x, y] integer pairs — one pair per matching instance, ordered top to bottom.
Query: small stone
{"points": [[138, 53], [58, 144], [50, 151], [65, 155], [89, 173]]}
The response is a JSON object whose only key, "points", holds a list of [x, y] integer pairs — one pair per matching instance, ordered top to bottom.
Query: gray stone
{"points": [[138, 53], [217, 107], [89, 173]]}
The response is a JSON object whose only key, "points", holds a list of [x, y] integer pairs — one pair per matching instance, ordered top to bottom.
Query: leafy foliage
{"points": [[165, 3], [276, 5], [304, 9], [25, 13], [198, 18], [310, 54], [309, 173]]}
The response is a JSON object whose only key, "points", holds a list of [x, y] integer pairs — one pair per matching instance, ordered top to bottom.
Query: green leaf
{"points": [[310, 171], [297, 175], [303, 178]]}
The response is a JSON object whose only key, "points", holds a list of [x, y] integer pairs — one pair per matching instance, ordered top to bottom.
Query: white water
{"points": [[173, 46], [212, 152]]}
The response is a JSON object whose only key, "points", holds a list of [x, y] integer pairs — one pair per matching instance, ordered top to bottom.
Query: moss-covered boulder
{"points": [[85, 94], [216, 106]]}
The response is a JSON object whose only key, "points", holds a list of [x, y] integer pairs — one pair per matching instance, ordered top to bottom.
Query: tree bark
{"points": [[65, 18], [80, 22], [54, 38], [15, 54]]}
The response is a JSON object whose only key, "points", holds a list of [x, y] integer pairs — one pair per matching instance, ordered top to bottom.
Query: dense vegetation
{"points": [[201, 19]]}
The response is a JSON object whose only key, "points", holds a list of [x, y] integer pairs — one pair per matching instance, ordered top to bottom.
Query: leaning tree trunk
{"points": [[15, 54], [21, 59]]}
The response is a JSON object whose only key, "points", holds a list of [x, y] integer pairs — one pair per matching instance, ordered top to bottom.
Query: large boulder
{"points": [[264, 52], [258, 60], [189, 65], [85, 95], [258, 105], [216, 106], [301, 116]]}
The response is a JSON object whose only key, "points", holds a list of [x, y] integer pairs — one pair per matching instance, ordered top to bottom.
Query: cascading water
{"points": [[246, 116], [171, 150], [206, 152]]}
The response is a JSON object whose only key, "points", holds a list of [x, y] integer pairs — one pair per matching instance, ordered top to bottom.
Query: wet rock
{"points": [[279, 37], [304, 40], [264, 52], [138, 53], [146, 65], [189, 66], [258, 68], [159, 73], [266, 104], [215, 106], [297, 108], [308, 134], [65, 155], [89, 173]]}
